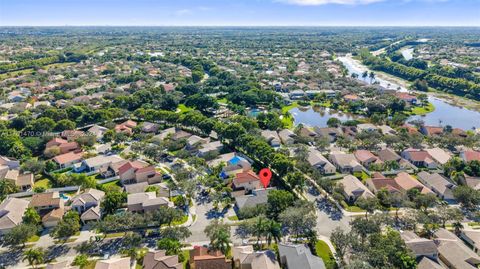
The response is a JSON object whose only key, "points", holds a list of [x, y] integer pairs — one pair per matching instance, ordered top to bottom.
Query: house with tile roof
{"points": [[470, 155], [366, 158], [419, 158], [69, 159], [319, 162], [346, 162], [234, 163], [137, 172], [246, 181], [441, 186], [353, 189], [257, 197], [89, 198], [46, 201], [146, 201], [11, 213], [472, 237], [420, 247], [453, 252], [298, 256], [244, 257], [203, 258], [157, 259], [113, 263]]}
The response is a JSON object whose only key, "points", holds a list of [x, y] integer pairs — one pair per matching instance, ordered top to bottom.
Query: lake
{"points": [[445, 113], [317, 116]]}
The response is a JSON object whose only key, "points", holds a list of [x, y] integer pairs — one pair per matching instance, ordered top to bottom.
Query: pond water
{"points": [[254, 112], [444, 114], [317, 116]]}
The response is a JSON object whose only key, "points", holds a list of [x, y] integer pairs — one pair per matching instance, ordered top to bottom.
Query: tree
{"points": [[333, 122], [65, 124], [33, 165], [296, 180], [6, 188], [467, 196], [113, 200], [278, 201], [424, 201], [368, 204], [446, 213], [31, 217], [299, 219], [68, 226], [177, 233], [20, 234], [219, 234], [341, 241], [171, 246], [34, 256], [81, 261]]}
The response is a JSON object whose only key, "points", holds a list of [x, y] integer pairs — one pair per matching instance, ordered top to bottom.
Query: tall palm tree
{"points": [[365, 74], [372, 76], [7, 187], [457, 226], [274, 231], [221, 242], [34, 256]]}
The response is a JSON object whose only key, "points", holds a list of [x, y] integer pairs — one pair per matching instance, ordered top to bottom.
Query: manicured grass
{"points": [[222, 101], [184, 108], [285, 109], [422, 110], [361, 175], [42, 183], [112, 183], [233, 218], [180, 222], [113, 235], [32, 239], [69, 240], [323, 251], [91, 265]]}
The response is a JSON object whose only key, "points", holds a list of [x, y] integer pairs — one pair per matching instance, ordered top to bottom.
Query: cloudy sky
{"points": [[241, 12]]}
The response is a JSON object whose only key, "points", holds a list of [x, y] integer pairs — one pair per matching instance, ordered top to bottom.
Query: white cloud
{"points": [[324, 2]]}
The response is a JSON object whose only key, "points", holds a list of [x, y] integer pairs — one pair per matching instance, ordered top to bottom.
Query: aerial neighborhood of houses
{"points": [[142, 148]]}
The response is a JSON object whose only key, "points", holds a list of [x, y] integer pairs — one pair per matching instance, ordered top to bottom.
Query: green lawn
{"points": [[222, 101], [184, 108], [285, 109], [422, 110], [43, 183], [112, 183], [233, 218], [179, 222], [113, 235], [33, 239], [323, 251], [186, 254]]}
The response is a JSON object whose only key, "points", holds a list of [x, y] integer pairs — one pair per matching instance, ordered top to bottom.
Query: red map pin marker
{"points": [[265, 176]]}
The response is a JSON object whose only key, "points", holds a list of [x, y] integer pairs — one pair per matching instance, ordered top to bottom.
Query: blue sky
{"points": [[241, 12]]}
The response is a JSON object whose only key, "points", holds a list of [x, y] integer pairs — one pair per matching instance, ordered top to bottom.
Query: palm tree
{"points": [[365, 74], [354, 75], [372, 76], [7, 187], [457, 225], [274, 231], [221, 242], [133, 254], [34, 256]]}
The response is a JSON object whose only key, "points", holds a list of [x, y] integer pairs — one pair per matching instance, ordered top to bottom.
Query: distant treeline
{"points": [[32, 63], [458, 86]]}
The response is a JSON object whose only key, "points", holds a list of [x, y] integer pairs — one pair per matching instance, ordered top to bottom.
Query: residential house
{"points": [[351, 98], [408, 98], [126, 127], [149, 127], [366, 127], [387, 130], [431, 130], [97, 131], [307, 133], [328, 133], [72, 135], [286, 136], [272, 138], [195, 141], [63, 145], [212, 147], [388, 155], [439, 155], [470, 155], [366, 158], [419, 158], [68, 159], [316, 159], [9, 163], [234, 163], [345, 163], [97, 164], [136, 172], [22, 181], [246, 181], [379, 182], [407, 182], [473, 182], [438, 184], [354, 189], [257, 197], [89, 198], [46, 201], [146, 201], [11, 213], [92, 214], [52, 218], [472, 237], [420, 247], [453, 252], [298, 256], [244, 257], [203, 258], [157, 259], [113, 263], [426, 263]]}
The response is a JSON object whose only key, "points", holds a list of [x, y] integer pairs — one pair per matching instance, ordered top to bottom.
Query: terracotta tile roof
{"points": [[68, 157], [244, 177], [45, 199]]}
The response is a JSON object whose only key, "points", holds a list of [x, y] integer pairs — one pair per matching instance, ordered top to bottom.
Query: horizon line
{"points": [[319, 25]]}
